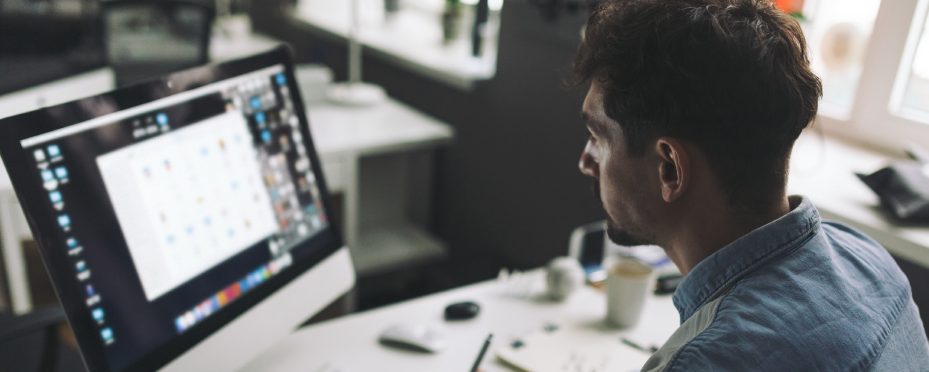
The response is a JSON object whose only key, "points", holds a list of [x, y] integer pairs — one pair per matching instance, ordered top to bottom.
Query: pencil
{"points": [[480, 356]]}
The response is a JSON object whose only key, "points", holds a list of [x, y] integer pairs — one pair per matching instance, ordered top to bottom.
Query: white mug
{"points": [[627, 284]]}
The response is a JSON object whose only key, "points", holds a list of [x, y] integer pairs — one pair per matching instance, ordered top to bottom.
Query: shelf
{"points": [[411, 38], [395, 247]]}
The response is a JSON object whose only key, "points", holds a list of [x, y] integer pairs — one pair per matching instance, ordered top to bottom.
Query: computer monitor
{"points": [[180, 28], [184, 221]]}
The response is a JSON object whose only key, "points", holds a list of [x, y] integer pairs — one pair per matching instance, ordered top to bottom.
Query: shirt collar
{"points": [[714, 273]]}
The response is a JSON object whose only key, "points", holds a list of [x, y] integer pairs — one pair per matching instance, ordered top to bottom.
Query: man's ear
{"points": [[674, 168]]}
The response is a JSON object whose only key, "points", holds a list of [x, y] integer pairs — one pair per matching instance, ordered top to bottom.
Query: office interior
{"points": [[461, 168]]}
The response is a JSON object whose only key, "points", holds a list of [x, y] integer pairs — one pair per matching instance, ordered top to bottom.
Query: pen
{"points": [[636, 346], [480, 356]]}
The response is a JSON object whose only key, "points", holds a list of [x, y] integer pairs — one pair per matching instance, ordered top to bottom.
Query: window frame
{"points": [[876, 117]]}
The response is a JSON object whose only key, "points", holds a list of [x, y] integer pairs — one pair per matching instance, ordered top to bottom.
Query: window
{"points": [[837, 33], [873, 58], [915, 75]]}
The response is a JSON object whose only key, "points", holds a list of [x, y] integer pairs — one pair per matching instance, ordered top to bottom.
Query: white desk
{"points": [[822, 169], [349, 344]]}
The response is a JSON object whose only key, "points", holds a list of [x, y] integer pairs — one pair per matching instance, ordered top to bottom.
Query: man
{"points": [[692, 111]]}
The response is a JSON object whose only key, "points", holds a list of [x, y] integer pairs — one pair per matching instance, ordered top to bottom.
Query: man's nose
{"points": [[588, 165]]}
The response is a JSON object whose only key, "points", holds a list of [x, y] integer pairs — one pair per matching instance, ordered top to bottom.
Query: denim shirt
{"points": [[797, 294]]}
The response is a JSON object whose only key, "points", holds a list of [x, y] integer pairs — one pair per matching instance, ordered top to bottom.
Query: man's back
{"points": [[796, 294]]}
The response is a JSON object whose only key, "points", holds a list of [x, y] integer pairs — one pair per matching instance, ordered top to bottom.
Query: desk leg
{"points": [[352, 200], [16, 276]]}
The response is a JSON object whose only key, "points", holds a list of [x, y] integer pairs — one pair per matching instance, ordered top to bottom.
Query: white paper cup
{"points": [[627, 285]]}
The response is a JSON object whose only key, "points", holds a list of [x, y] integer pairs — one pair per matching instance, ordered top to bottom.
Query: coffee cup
{"points": [[627, 283]]}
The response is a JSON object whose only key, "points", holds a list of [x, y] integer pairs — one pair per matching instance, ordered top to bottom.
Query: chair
{"points": [[19, 344]]}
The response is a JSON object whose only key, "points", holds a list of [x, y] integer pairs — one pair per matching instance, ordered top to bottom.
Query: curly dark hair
{"points": [[732, 76]]}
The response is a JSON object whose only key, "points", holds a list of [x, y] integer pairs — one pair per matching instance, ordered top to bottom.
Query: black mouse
{"points": [[462, 310]]}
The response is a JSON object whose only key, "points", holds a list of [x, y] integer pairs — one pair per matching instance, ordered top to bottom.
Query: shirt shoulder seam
{"points": [[674, 359]]}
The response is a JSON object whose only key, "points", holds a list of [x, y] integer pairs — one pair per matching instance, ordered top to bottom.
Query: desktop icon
{"points": [[280, 79], [255, 103], [162, 118], [260, 118], [54, 152], [39, 155], [62, 174], [48, 180], [56, 199], [64, 221], [74, 249], [81, 265], [83, 275], [90, 290], [93, 300], [198, 314], [98, 315], [190, 319], [179, 324], [107, 335]]}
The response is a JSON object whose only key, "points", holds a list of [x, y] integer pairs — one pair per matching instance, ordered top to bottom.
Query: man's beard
{"points": [[617, 234]]}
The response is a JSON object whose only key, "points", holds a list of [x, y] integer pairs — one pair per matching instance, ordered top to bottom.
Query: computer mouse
{"points": [[461, 310], [413, 337]]}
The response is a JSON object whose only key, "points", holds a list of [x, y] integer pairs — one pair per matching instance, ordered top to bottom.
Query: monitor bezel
{"points": [[16, 128]]}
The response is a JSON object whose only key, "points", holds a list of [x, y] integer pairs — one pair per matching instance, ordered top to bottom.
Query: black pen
{"points": [[634, 345], [480, 356]]}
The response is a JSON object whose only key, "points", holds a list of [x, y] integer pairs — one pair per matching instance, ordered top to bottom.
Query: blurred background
{"points": [[499, 188]]}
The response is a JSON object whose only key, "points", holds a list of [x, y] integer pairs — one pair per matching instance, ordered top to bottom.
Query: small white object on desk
{"points": [[563, 277], [627, 285], [419, 337]]}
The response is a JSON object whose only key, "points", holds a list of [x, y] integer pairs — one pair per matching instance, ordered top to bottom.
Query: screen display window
{"points": [[172, 210]]}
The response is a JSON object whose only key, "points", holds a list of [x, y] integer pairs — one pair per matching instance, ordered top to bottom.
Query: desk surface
{"points": [[385, 127], [823, 170], [350, 343]]}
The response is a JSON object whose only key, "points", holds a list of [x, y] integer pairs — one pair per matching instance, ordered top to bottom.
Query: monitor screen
{"points": [[166, 209]]}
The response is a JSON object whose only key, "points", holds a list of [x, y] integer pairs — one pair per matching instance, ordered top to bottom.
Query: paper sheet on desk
{"points": [[567, 351]]}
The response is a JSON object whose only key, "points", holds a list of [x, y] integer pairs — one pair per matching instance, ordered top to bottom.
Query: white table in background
{"points": [[380, 158], [350, 343]]}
